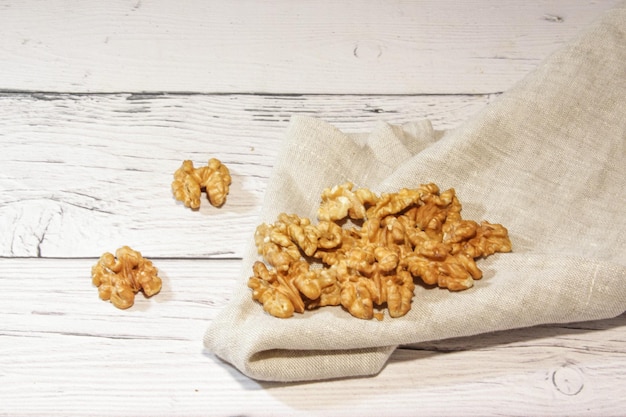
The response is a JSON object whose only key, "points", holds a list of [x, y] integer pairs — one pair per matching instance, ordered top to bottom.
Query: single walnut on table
{"points": [[189, 182], [412, 234], [118, 280]]}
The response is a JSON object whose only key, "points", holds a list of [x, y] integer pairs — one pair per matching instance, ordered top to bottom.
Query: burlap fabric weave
{"points": [[547, 159]]}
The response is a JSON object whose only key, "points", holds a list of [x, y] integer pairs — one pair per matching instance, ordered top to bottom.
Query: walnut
{"points": [[189, 182], [340, 202], [460, 231], [412, 234], [329, 235], [489, 239], [284, 241], [275, 245], [387, 258], [455, 273], [118, 280], [400, 289], [268, 291], [281, 292], [357, 294], [330, 295]]}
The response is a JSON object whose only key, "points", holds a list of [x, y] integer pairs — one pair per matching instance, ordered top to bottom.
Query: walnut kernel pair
{"points": [[189, 182], [394, 238], [118, 280]]}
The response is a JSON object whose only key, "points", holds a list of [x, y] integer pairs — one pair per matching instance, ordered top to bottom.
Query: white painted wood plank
{"points": [[278, 46], [84, 174], [65, 352]]}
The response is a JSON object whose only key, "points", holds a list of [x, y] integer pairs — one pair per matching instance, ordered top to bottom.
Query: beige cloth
{"points": [[547, 160]]}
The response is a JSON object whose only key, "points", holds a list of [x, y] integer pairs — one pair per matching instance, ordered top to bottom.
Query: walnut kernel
{"points": [[189, 182], [120, 277]]}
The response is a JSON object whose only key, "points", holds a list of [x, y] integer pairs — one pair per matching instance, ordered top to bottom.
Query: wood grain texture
{"points": [[372, 47], [101, 101], [84, 174], [64, 352]]}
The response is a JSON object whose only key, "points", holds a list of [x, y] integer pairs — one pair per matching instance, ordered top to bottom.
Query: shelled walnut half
{"points": [[189, 183], [394, 239], [120, 277]]}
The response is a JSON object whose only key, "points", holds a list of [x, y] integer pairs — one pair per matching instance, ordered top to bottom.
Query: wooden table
{"points": [[101, 101]]}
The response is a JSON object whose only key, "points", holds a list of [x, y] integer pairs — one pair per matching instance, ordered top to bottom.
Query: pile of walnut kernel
{"points": [[386, 241]]}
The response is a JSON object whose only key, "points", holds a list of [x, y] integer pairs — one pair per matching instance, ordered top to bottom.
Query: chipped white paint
{"points": [[81, 174]]}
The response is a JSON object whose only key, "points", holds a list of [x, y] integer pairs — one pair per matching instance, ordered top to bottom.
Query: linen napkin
{"points": [[546, 160]]}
